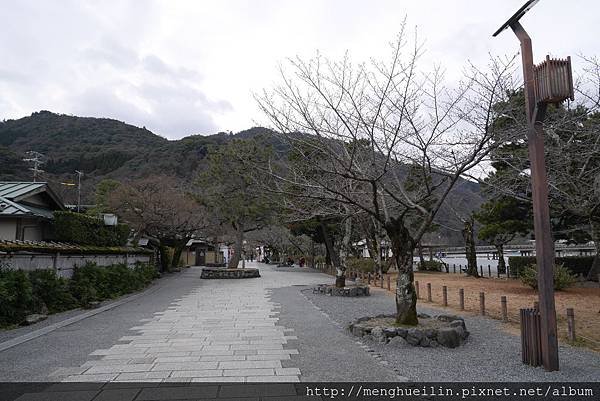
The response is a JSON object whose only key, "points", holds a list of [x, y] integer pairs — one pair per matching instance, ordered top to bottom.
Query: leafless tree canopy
{"points": [[387, 138]]}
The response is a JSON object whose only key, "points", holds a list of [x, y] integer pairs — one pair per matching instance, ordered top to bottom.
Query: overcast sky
{"points": [[190, 67]]}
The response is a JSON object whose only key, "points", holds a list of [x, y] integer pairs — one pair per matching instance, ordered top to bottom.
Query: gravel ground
{"points": [[326, 352], [490, 354]]}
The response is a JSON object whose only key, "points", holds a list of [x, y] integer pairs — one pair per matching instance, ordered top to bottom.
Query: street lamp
{"points": [[549, 82]]}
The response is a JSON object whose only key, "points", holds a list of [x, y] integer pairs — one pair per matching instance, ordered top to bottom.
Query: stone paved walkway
{"points": [[223, 330]]}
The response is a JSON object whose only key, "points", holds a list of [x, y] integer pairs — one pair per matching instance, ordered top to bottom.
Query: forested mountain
{"points": [[100, 147], [105, 148]]}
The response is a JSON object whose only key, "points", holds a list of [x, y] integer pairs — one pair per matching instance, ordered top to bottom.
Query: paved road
{"points": [[192, 330]]}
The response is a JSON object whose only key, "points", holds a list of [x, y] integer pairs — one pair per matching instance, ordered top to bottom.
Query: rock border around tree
{"points": [[220, 273], [356, 290], [450, 334]]}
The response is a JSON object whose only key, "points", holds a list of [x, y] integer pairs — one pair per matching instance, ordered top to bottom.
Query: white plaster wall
{"points": [[8, 229], [65, 264]]}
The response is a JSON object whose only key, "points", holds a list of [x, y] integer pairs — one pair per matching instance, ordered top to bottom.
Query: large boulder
{"points": [[34, 318], [448, 318], [378, 334], [414, 336], [448, 337], [398, 342]]}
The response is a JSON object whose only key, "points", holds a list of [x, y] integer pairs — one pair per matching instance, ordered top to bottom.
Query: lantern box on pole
{"points": [[553, 81]]}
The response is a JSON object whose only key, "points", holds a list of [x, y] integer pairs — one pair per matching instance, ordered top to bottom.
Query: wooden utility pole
{"points": [[544, 243]]}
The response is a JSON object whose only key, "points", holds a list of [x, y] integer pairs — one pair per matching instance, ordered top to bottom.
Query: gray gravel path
{"points": [[325, 351], [490, 353]]}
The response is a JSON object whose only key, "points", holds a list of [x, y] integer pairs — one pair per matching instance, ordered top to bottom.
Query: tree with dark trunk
{"points": [[391, 138], [572, 160], [227, 189], [156, 208], [502, 219], [468, 234]]}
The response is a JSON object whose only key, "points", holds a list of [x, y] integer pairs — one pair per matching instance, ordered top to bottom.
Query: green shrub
{"points": [[85, 230], [319, 259], [575, 264], [366, 265], [431, 266], [563, 278], [92, 283], [51, 291], [22, 294], [16, 296]]}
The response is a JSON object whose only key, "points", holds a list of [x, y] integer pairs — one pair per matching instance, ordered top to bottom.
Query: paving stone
{"points": [[210, 331], [249, 364], [185, 366], [249, 372], [198, 373], [142, 376], [272, 379]]}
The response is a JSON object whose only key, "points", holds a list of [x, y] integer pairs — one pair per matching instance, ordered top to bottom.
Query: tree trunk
{"points": [[403, 249], [177, 250], [237, 250], [470, 251], [163, 252], [333, 255], [421, 257], [501, 262], [594, 272], [340, 277]]}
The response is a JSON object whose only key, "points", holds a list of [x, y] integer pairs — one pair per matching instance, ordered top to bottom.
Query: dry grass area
{"points": [[584, 301]]}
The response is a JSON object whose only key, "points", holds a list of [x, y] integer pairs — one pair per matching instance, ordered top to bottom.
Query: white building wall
{"points": [[8, 229], [64, 264]]}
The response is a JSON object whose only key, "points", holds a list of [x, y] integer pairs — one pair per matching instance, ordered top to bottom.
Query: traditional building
{"points": [[26, 210]]}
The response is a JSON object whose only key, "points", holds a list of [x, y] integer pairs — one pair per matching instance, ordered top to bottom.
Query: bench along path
{"points": [[223, 330]]}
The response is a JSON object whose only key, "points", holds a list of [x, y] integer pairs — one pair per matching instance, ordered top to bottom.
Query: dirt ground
{"points": [[584, 301]]}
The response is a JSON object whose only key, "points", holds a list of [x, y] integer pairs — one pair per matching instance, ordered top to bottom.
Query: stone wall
{"points": [[64, 264]]}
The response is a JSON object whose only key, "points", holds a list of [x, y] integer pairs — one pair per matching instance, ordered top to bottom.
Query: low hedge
{"points": [[80, 229], [366, 265], [578, 265], [431, 266], [563, 278], [42, 291]]}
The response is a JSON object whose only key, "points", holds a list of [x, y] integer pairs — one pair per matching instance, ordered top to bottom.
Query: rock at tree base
{"points": [[218, 273], [357, 290], [34, 318], [444, 330], [448, 337], [397, 342]]}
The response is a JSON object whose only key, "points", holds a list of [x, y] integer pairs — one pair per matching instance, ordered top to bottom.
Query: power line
{"points": [[37, 159]]}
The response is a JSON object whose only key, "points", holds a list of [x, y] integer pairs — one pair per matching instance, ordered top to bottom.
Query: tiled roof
{"points": [[12, 190], [11, 194]]}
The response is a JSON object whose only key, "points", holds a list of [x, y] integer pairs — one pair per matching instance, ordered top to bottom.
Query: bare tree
{"points": [[394, 138], [156, 208]]}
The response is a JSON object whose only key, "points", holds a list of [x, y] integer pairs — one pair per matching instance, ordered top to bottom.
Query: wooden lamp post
{"points": [[549, 82]]}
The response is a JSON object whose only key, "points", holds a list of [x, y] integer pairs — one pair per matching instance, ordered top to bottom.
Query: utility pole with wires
{"points": [[37, 159], [79, 175]]}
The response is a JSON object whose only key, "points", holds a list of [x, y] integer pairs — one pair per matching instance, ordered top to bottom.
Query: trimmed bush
{"points": [[85, 230], [575, 264], [366, 265], [431, 266], [563, 278], [92, 283], [50, 291], [22, 294], [16, 296]]}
